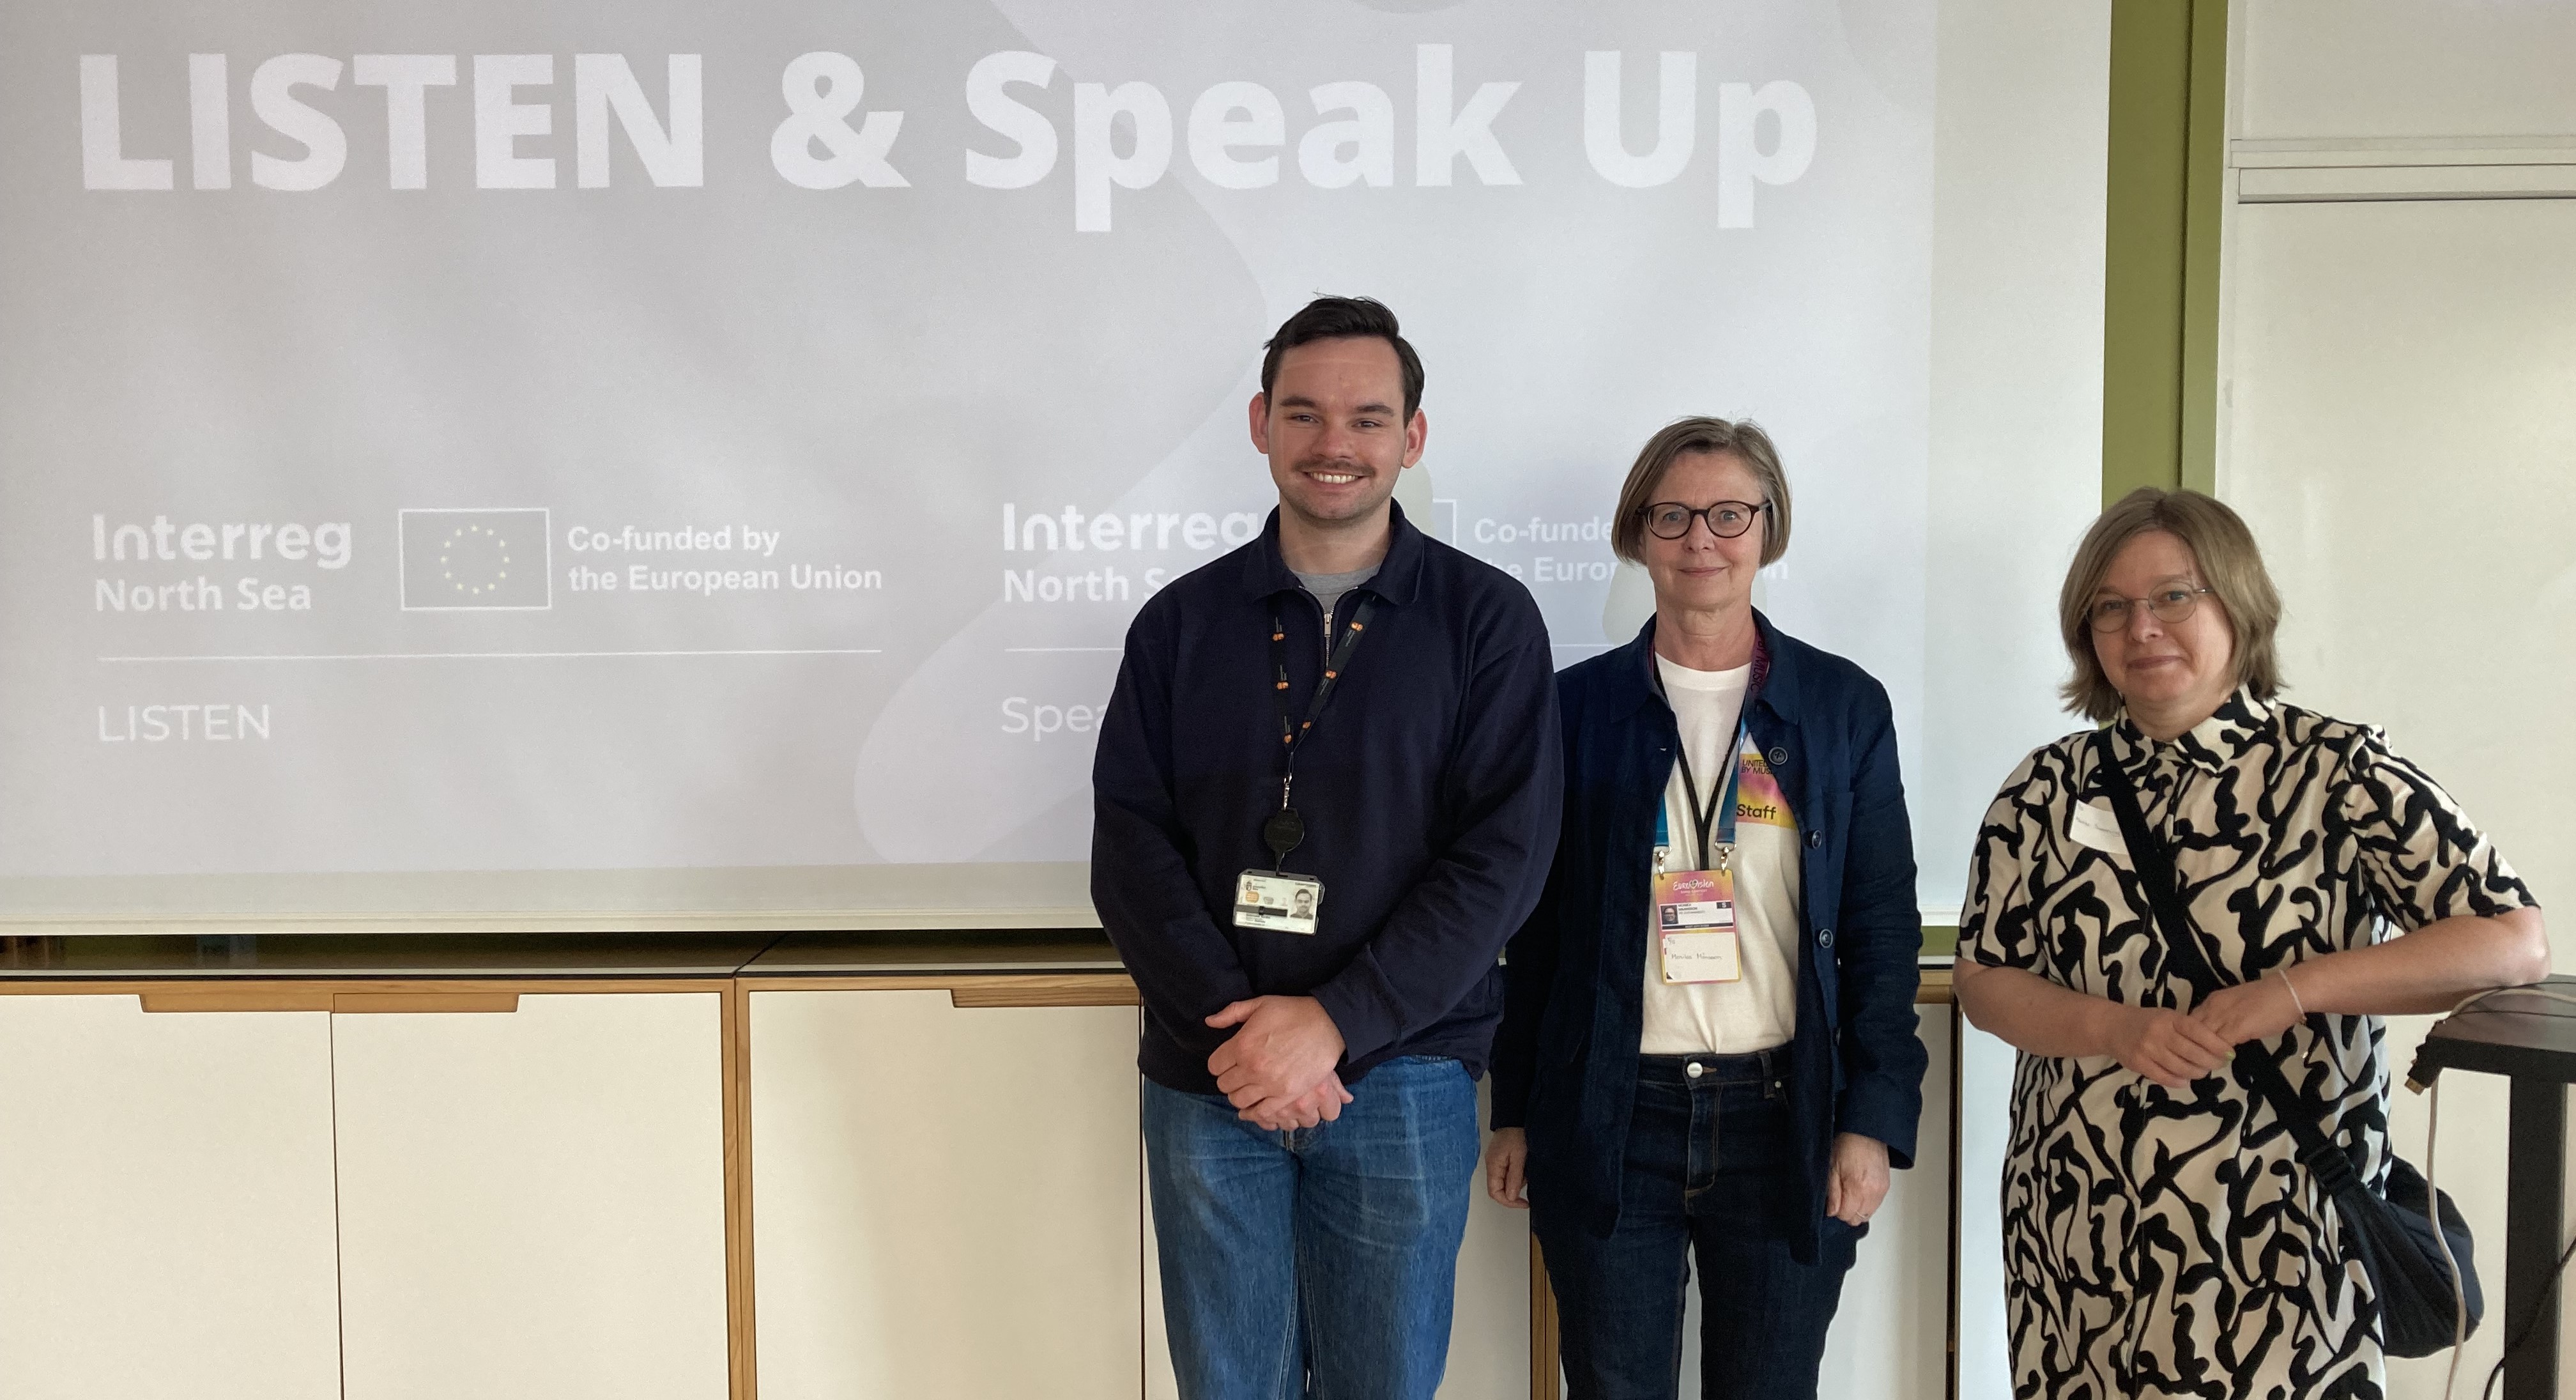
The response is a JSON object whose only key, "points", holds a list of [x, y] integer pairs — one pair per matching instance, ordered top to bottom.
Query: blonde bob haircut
{"points": [[1742, 440], [2231, 567]]}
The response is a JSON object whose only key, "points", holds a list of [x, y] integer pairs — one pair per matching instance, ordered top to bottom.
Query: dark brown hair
{"points": [[1345, 318]]}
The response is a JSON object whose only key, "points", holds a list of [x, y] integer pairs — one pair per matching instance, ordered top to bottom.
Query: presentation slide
{"points": [[564, 464]]}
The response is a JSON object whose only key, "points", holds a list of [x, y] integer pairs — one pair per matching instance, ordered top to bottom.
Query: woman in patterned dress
{"points": [[2159, 1237]]}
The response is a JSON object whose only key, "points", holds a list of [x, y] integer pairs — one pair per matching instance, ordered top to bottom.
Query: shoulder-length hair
{"points": [[1742, 439], [2231, 567]]}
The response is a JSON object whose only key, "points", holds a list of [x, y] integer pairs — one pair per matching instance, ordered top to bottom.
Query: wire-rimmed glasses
{"points": [[2173, 603]]}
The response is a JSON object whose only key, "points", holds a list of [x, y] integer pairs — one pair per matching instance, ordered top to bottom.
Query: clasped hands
{"points": [[2174, 1048], [1277, 1068]]}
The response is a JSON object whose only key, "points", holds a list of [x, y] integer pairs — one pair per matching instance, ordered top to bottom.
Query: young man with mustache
{"points": [[1325, 796]]}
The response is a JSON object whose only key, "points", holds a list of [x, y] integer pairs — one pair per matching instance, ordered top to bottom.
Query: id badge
{"points": [[1286, 903], [1695, 922]]}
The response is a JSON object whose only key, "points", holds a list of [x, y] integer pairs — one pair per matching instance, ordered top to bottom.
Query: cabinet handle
{"points": [[1066, 989], [240, 999], [323, 999], [411, 1003]]}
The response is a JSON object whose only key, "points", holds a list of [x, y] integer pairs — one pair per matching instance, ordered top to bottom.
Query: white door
{"points": [[2404, 416], [945, 1200], [532, 1202], [165, 1203]]}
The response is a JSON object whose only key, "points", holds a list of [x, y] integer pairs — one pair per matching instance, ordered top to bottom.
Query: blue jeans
{"points": [[1712, 1174], [1316, 1262]]}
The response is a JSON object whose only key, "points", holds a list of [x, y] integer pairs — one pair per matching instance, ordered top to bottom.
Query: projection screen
{"points": [[556, 465]]}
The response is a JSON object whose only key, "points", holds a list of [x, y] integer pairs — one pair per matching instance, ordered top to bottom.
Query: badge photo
{"points": [[1694, 899], [1283, 903]]}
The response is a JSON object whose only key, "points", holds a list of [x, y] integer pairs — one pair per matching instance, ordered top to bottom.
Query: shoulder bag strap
{"points": [[2164, 897]]}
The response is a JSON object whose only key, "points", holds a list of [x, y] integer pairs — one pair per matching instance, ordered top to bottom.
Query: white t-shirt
{"points": [[1760, 1009]]}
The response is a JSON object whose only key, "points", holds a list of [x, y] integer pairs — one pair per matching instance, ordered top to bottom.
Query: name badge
{"points": [[2093, 825], [1285, 903], [1695, 920]]}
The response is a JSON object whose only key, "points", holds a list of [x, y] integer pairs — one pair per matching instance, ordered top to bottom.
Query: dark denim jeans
{"points": [[1712, 1177], [1317, 1262]]}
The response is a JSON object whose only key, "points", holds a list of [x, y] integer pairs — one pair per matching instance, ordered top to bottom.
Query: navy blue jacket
{"points": [[1429, 788], [1565, 1065]]}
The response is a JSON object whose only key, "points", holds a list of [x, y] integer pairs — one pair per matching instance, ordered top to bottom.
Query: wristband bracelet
{"points": [[2295, 999]]}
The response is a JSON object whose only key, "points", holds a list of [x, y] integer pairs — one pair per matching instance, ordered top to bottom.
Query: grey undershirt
{"points": [[1329, 588]]}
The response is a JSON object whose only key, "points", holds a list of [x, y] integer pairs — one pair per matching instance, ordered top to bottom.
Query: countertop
{"points": [[114, 957]]}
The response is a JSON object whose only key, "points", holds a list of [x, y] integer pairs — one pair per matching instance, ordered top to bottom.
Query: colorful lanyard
{"points": [[1721, 811]]}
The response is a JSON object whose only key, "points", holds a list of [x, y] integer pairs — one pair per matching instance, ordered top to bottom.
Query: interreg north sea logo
{"points": [[476, 560]]}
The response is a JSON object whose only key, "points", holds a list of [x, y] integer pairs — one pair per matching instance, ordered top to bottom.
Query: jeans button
{"points": [[1824, 938], [1695, 1069]]}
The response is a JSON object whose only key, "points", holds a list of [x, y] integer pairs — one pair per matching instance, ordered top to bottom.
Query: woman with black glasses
{"points": [[1708, 1046]]}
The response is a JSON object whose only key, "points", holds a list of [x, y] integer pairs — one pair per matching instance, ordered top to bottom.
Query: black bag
{"points": [[2392, 1234]]}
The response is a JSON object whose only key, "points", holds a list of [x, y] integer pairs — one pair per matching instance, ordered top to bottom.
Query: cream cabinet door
{"points": [[945, 1200], [532, 1202], [165, 1203], [1891, 1331], [1489, 1332], [1891, 1334]]}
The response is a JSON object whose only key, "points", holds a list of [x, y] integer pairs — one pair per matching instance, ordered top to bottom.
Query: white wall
{"points": [[2404, 68], [2020, 146], [2020, 156], [2398, 420]]}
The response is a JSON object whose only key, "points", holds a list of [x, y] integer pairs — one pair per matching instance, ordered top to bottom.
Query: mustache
{"points": [[1334, 464]]}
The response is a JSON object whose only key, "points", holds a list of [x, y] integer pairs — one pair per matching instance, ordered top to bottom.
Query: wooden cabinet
{"points": [[390, 1190], [947, 1199], [532, 1201], [165, 1203]]}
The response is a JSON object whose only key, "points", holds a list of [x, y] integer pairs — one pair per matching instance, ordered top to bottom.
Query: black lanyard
{"points": [[1720, 811], [1285, 829]]}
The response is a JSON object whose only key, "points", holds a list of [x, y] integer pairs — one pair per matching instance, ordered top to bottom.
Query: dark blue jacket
{"points": [[1429, 788], [1565, 1065]]}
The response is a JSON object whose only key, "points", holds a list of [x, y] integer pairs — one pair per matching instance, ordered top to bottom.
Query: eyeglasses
{"points": [[1670, 520], [2170, 604]]}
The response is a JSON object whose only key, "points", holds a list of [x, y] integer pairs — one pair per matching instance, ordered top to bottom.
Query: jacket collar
{"points": [[1266, 574], [1632, 672], [2210, 746]]}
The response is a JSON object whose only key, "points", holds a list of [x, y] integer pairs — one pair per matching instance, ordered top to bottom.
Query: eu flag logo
{"points": [[475, 559]]}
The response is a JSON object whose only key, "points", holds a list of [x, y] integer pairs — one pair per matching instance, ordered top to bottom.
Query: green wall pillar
{"points": [[2168, 156]]}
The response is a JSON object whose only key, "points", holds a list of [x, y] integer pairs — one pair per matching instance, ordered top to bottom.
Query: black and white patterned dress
{"points": [[2167, 1244]]}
